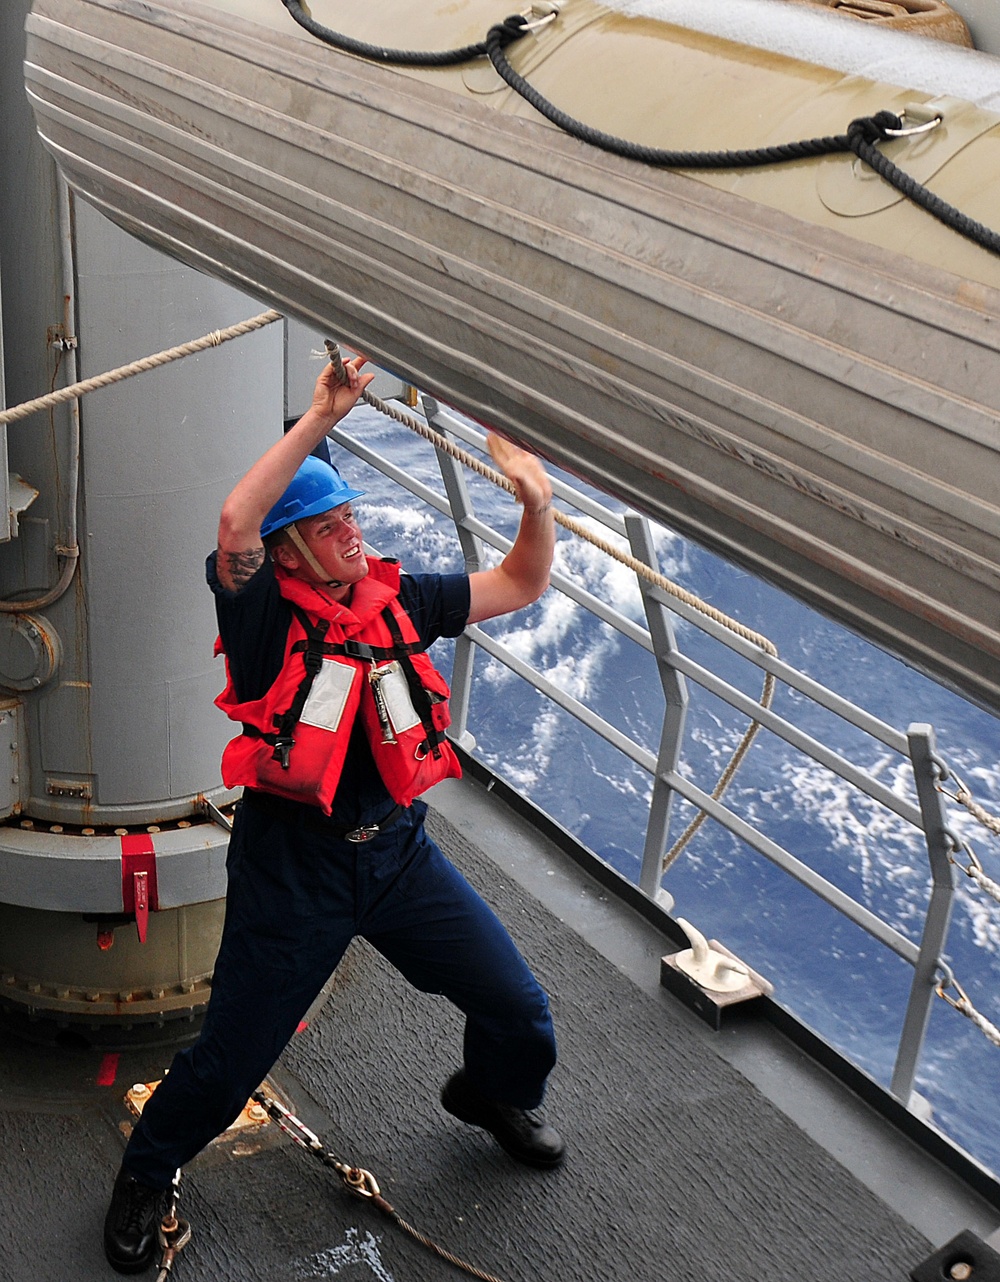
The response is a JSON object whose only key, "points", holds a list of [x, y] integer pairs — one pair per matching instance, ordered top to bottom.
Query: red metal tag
{"points": [[139, 893]]}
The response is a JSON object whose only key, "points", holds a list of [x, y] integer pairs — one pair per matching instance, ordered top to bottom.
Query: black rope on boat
{"points": [[401, 57], [861, 137], [864, 146], [637, 151]]}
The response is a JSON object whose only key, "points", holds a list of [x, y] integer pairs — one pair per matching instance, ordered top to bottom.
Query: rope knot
{"points": [[511, 29], [873, 129]]}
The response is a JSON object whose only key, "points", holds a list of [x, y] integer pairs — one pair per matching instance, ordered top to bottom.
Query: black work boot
{"points": [[519, 1132], [131, 1224]]}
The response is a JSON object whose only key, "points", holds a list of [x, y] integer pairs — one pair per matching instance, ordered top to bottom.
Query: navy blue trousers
{"points": [[295, 900]]}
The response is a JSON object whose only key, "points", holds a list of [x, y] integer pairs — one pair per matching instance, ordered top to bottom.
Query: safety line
{"points": [[75, 390], [575, 527], [633, 563]]}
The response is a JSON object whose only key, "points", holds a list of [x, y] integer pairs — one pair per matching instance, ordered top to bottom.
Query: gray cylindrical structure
{"points": [[160, 453], [107, 686]]}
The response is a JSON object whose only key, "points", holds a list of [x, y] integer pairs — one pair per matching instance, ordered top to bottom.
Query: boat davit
{"points": [[794, 363]]}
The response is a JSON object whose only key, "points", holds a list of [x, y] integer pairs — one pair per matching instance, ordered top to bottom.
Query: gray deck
{"points": [[692, 1155]]}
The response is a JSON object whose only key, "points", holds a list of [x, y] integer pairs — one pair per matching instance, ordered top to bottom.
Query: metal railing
{"points": [[676, 669]]}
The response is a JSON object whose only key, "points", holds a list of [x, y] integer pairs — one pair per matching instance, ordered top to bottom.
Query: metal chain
{"points": [[357, 1181]]}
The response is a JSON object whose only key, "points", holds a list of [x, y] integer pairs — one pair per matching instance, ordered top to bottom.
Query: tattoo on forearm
{"points": [[238, 568]]}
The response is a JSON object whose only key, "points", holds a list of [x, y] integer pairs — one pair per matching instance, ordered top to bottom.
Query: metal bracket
{"points": [[209, 808], [966, 1258]]}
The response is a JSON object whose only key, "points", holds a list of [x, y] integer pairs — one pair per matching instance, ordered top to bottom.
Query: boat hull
{"points": [[820, 409]]}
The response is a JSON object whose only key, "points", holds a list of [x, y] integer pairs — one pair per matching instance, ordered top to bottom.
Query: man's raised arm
{"points": [[240, 550], [523, 575]]}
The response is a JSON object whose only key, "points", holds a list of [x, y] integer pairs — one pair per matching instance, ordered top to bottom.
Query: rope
{"points": [[496, 39], [401, 57], [861, 135], [863, 145], [76, 390], [631, 562], [735, 761], [964, 798], [975, 871], [986, 884], [964, 1006], [357, 1180], [440, 1251]]}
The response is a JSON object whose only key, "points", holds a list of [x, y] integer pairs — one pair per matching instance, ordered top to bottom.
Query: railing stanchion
{"points": [[460, 502], [676, 668], [676, 694], [918, 1011]]}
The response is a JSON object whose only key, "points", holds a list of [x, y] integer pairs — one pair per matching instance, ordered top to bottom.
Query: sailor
{"points": [[342, 720]]}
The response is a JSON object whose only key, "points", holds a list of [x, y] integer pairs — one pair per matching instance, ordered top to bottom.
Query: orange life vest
{"points": [[342, 661]]}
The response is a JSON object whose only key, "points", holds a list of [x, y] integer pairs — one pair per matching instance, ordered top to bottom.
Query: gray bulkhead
{"points": [[107, 679]]}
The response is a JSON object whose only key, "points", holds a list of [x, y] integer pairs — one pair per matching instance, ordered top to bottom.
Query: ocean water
{"points": [[831, 974]]}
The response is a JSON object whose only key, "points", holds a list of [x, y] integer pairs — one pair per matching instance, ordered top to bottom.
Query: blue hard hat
{"points": [[316, 487]]}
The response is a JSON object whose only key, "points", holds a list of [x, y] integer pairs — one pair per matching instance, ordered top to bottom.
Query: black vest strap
{"points": [[313, 650], [360, 650], [285, 722]]}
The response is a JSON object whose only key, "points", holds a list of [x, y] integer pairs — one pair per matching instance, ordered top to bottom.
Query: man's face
{"points": [[334, 539]]}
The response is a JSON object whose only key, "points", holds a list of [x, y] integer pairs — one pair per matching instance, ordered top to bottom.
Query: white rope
{"points": [[76, 390], [574, 526], [639, 568], [963, 797], [986, 884], [964, 1006], [990, 1031]]}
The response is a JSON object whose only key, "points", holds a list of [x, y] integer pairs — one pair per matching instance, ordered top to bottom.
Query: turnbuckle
{"points": [[288, 1122], [359, 1181], [173, 1235]]}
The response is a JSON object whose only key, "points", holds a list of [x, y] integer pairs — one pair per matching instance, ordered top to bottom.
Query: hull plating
{"points": [[819, 407]]}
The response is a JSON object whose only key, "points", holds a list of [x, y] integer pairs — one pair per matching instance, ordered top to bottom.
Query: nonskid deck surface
{"points": [[678, 1168]]}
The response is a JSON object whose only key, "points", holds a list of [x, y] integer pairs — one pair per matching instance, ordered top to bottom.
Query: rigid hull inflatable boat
{"points": [[792, 363]]}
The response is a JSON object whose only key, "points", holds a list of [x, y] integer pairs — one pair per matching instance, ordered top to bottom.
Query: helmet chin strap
{"points": [[309, 559]]}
